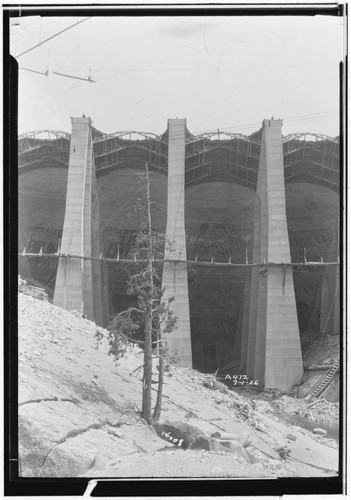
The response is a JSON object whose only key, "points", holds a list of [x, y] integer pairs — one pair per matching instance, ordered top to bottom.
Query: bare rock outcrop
{"points": [[79, 414]]}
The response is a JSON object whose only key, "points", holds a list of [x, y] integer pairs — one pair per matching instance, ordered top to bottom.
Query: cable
{"points": [[51, 37], [35, 71], [292, 118]]}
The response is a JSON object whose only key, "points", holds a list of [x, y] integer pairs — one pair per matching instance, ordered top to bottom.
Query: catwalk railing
{"points": [[178, 261]]}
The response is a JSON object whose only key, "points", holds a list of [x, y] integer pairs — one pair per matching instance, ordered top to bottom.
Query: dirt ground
{"points": [[79, 412]]}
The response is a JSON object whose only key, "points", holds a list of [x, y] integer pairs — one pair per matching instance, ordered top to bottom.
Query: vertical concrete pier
{"points": [[175, 275], [78, 282], [274, 351]]}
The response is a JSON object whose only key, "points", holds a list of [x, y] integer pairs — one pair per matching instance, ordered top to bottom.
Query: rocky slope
{"points": [[79, 412]]}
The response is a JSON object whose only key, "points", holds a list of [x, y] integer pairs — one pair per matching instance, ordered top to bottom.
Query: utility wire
{"points": [[53, 36], [35, 71], [89, 79], [289, 119]]}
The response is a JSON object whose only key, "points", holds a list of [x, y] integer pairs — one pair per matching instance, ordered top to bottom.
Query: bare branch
{"points": [[138, 310], [135, 340], [157, 356], [136, 369]]}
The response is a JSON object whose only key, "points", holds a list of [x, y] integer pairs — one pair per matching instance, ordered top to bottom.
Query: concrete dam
{"points": [[254, 221]]}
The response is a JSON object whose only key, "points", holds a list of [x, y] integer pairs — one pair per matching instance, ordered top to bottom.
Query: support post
{"points": [[175, 274], [78, 281], [330, 292], [245, 319], [274, 355]]}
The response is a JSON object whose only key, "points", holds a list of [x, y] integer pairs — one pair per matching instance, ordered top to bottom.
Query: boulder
{"points": [[321, 432], [178, 433], [192, 437], [242, 438], [204, 443], [212, 444]]}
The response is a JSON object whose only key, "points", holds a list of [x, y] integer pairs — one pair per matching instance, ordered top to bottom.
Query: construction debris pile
{"points": [[322, 353]]}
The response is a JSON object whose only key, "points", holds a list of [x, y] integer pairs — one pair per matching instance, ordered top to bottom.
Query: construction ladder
{"points": [[329, 375]]}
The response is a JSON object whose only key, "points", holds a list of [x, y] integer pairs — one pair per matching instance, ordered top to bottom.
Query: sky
{"points": [[226, 73]]}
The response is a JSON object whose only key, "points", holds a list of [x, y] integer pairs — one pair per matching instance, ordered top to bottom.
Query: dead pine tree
{"points": [[153, 315]]}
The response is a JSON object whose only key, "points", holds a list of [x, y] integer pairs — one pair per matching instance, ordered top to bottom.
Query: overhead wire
{"points": [[51, 37], [35, 71], [288, 119]]}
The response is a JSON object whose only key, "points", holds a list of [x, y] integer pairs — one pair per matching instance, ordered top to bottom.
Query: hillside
{"points": [[79, 412]]}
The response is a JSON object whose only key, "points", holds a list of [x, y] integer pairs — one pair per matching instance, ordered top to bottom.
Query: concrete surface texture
{"points": [[175, 275], [78, 282], [274, 355]]}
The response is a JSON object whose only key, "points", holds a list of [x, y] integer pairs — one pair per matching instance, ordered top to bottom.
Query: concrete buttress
{"points": [[175, 274], [78, 281], [273, 355]]}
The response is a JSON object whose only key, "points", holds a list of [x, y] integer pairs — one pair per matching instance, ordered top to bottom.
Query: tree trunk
{"points": [[147, 373], [147, 376], [158, 406]]}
